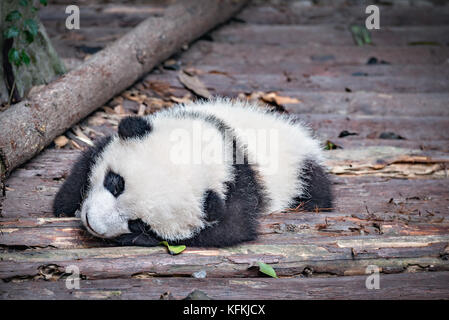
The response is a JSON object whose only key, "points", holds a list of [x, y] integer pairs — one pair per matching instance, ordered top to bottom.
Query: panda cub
{"points": [[198, 174]]}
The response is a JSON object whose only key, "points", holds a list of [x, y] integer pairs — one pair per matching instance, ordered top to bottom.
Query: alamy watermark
{"points": [[73, 20], [373, 20], [203, 145], [73, 280], [373, 280]]}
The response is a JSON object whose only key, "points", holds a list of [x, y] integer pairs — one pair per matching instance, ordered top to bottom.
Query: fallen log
{"points": [[27, 127]]}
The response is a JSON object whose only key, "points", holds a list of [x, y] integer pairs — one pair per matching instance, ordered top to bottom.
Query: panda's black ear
{"points": [[133, 127]]}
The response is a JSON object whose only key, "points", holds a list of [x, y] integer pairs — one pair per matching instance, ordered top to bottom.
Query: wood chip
{"points": [[194, 84], [141, 110], [81, 136], [61, 141]]}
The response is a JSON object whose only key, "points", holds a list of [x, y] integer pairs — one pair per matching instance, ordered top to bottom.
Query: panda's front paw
{"points": [[141, 235]]}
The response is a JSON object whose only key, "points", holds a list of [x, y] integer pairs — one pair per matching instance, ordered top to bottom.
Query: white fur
{"points": [[167, 192]]}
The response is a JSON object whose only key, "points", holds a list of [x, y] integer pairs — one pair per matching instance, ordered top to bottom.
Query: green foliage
{"points": [[13, 16], [31, 26], [21, 30], [11, 32], [361, 35], [14, 57], [25, 57], [173, 249], [267, 269]]}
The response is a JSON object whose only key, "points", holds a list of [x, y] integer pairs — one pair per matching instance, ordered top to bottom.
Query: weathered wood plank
{"points": [[294, 13], [304, 35], [225, 54], [294, 70], [231, 86], [370, 103], [370, 127], [31, 188], [389, 216], [341, 256], [429, 285]]}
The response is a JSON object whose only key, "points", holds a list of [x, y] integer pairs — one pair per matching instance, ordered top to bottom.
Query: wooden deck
{"points": [[392, 195]]}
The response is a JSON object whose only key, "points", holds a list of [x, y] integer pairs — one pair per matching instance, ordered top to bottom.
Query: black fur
{"points": [[133, 127], [114, 183], [318, 194], [69, 197], [237, 216], [231, 222], [141, 235]]}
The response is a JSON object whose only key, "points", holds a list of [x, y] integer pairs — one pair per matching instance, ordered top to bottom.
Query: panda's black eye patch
{"points": [[114, 183]]}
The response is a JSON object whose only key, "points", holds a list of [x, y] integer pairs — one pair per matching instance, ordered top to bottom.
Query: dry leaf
{"points": [[191, 71], [222, 73], [194, 84], [160, 88], [134, 96], [273, 97], [186, 99], [116, 101], [155, 104], [119, 109], [141, 110], [81, 136], [61, 141], [76, 145]]}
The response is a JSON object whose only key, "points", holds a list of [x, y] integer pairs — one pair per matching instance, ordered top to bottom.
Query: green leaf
{"points": [[43, 2], [23, 3], [34, 9], [13, 15], [31, 26], [11, 32], [360, 35], [28, 36], [14, 57], [25, 57], [173, 249], [267, 269]]}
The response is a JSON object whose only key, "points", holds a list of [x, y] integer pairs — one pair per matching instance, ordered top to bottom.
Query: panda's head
{"points": [[135, 178], [118, 181]]}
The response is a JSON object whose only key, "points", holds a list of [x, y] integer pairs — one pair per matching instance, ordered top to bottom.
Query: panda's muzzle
{"points": [[90, 227]]}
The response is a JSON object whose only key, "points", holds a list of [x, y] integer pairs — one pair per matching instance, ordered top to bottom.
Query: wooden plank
{"points": [[294, 13], [108, 14], [337, 35], [222, 53], [294, 70], [234, 84], [370, 103], [369, 127], [31, 188], [393, 214], [340, 256], [430, 285]]}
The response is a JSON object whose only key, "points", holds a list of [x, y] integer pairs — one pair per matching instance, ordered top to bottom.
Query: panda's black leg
{"points": [[318, 193], [69, 197], [214, 206], [235, 220], [141, 235]]}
